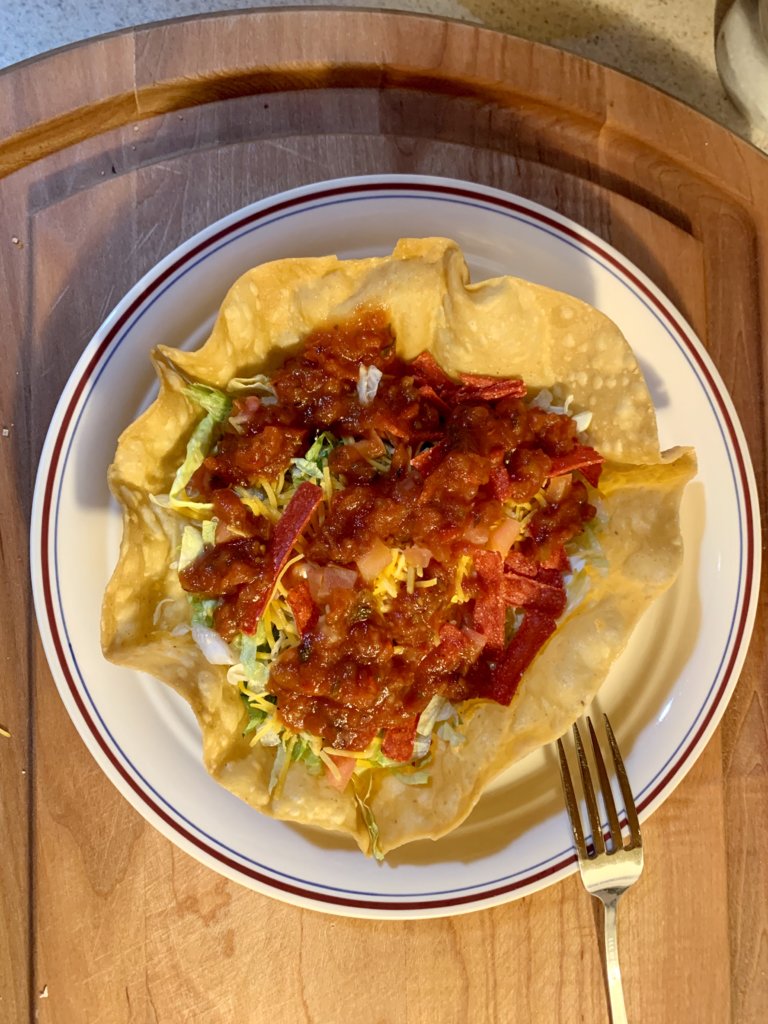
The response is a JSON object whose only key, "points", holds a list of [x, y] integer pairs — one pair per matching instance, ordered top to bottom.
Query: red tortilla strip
{"points": [[427, 370], [489, 389], [428, 393], [387, 424], [427, 461], [588, 462], [501, 485], [287, 531], [557, 561], [521, 564], [489, 566], [551, 576], [523, 592], [304, 609], [490, 610], [488, 618], [535, 629], [447, 655]]}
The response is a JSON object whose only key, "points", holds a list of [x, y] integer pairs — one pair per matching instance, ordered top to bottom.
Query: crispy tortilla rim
{"points": [[505, 327]]}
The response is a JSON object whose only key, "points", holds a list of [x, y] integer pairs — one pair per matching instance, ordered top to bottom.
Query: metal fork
{"points": [[607, 873]]}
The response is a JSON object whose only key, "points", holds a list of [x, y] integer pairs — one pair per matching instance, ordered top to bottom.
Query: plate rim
{"points": [[97, 353]]}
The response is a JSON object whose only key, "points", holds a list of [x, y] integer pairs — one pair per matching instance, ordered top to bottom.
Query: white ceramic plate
{"points": [[665, 695]]}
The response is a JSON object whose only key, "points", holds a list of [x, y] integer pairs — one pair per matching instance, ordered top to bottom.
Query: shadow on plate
{"points": [[502, 815]]}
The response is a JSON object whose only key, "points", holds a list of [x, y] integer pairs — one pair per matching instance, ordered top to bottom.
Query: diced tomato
{"points": [[345, 767]]}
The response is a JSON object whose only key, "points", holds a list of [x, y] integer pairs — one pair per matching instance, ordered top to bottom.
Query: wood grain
{"points": [[113, 153]]}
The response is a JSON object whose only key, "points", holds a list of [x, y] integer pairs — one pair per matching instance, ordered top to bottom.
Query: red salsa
{"points": [[428, 465]]}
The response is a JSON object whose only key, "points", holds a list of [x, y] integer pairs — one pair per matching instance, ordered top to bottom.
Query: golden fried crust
{"points": [[504, 327]]}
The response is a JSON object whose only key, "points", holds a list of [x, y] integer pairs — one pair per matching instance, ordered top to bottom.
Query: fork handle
{"points": [[612, 970]]}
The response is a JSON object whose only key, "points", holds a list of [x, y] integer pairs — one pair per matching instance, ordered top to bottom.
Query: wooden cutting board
{"points": [[113, 152]]}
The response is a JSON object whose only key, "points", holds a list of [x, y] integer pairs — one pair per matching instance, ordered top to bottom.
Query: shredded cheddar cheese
{"points": [[462, 568], [386, 585]]}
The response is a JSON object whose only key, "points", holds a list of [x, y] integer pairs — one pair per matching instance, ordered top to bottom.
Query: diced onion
{"points": [[582, 420], [558, 487], [476, 534], [504, 536], [417, 556], [374, 561], [324, 579], [476, 639]]}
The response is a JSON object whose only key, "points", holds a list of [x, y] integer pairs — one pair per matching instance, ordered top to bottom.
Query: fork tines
{"points": [[593, 812]]}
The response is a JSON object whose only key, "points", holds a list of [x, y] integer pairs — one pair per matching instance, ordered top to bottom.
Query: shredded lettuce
{"points": [[259, 384], [215, 402], [217, 407], [198, 446], [312, 465], [208, 529], [192, 545], [585, 550], [586, 556], [202, 610], [512, 622], [253, 669], [438, 710], [431, 714], [256, 715], [448, 732], [303, 751], [378, 760], [279, 765], [420, 778], [368, 819]]}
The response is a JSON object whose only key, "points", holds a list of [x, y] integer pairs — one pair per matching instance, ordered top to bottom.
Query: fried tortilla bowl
{"points": [[502, 327]]}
